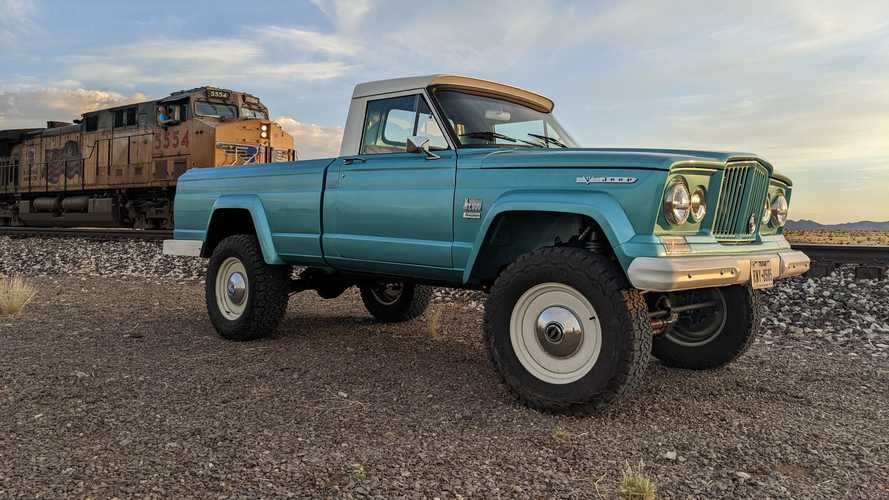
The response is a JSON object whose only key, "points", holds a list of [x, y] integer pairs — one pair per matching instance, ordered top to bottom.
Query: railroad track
{"points": [[88, 233], [851, 254]]}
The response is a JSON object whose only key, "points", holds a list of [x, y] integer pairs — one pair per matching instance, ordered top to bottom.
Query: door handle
{"points": [[350, 161]]}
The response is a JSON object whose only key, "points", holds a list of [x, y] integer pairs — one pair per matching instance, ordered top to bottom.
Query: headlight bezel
{"points": [[701, 193], [672, 205], [779, 208], [766, 218]]}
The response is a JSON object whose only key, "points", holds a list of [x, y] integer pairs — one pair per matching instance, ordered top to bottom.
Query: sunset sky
{"points": [[803, 83]]}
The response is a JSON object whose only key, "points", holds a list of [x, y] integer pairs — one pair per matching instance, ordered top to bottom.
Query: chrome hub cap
{"points": [[232, 288], [236, 288], [387, 293], [559, 331], [555, 333]]}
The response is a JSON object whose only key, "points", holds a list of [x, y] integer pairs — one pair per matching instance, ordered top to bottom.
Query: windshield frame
{"points": [[220, 117], [550, 121]]}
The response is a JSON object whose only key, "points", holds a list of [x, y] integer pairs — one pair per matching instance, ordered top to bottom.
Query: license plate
{"points": [[761, 274]]}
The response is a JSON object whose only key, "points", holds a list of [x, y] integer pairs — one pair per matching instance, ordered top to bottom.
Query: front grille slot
{"points": [[741, 194]]}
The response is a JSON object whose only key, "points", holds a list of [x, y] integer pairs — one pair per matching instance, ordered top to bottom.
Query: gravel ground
{"points": [[115, 386]]}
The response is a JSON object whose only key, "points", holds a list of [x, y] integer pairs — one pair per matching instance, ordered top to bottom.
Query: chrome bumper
{"points": [[188, 248], [669, 274]]}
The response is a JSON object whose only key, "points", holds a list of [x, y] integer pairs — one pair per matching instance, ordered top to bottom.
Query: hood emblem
{"points": [[586, 179]]}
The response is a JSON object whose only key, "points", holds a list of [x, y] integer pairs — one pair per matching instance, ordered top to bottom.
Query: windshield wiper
{"points": [[491, 136], [550, 140]]}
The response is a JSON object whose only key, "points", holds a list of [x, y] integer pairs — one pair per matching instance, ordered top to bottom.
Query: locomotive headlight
{"points": [[264, 127], [264, 134], [677, 202], [698, 204], [779, 211]]}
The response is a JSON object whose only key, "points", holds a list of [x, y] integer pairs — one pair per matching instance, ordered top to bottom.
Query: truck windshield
{"points": [[215, 110], [480, 121]]}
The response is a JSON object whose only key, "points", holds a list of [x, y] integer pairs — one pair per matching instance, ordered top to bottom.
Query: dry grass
{"points": [[830, 237], [15, 293], [434, 323], [560, 435], [635, 485]]}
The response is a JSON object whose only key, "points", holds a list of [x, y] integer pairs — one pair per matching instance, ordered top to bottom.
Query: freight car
{"points": [[118, 167]]}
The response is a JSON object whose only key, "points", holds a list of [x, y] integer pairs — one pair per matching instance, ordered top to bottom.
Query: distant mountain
{"points": [[865, 225]]}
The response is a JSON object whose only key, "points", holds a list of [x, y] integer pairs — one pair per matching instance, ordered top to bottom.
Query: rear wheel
{"points": [[246, 298], [393, 301], [566, 331], [713, 336]]}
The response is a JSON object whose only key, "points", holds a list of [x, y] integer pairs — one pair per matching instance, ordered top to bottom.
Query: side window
{"points": [[389, 122], [426, 125]]}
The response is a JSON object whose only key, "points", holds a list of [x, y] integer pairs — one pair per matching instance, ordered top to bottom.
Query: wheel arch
{"points": [[242, 214], [539, 221]]}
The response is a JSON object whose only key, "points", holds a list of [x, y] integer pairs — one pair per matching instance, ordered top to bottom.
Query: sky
{"points": [[803, 83]]}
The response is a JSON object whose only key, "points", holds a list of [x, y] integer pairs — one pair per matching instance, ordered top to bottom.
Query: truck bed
{"points": [[290, 194]]}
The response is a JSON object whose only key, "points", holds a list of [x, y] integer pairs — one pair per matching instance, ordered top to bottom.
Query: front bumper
{"points": [[670, 274]]}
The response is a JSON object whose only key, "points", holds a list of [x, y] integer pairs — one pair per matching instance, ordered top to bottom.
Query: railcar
{"points": [[118, 167]]}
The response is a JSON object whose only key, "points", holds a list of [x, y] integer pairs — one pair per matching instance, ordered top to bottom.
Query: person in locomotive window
{"points": [[165, 115]]}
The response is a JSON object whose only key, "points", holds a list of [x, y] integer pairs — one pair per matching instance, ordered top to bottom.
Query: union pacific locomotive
{"points": [[118, 167]]}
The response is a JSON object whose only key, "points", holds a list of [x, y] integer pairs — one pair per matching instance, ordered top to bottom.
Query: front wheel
{"points": [[246, 298], [393, 301], [566, 331], [713, 336]]}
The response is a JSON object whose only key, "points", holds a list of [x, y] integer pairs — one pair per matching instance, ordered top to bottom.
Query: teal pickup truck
{"points": [[592, 258]]}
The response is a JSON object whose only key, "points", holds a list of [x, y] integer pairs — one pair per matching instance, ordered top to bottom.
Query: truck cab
{"points": [[593, 258]]}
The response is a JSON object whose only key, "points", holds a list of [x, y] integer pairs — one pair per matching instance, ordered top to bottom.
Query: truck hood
{"points": [[650, 159]]}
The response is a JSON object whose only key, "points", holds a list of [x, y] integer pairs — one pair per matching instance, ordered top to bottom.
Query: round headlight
{"points": [[264, 127], [263, 134], [677, 202], [698, 204], [779, 211], [766, 213]]}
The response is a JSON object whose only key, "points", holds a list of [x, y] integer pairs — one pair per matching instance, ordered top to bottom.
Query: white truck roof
{"points": [[527, 97]]}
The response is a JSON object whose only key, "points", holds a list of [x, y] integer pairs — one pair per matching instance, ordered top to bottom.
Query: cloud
{"points": [[348, 14], [16, 21], [310, 40], [222, 62], [32, 107], [312, 141]]}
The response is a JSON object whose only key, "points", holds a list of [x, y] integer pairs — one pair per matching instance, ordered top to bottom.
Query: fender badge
{"points": [[586, 179], [472, 208]]}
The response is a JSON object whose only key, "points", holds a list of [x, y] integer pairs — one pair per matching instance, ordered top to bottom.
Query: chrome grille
{"points": [[741, 194]]}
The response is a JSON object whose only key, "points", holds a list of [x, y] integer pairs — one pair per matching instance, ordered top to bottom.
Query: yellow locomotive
{"points": [[118, 167]]}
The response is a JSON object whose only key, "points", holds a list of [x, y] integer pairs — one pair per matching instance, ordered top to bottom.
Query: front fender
{"points": [[252, 204], [601, 207]]}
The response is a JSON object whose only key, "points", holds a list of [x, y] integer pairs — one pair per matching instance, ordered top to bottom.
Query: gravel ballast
{"points": [[113, 383]]}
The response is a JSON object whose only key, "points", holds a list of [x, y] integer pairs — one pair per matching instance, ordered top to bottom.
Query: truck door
{"points": [[391, 207]]}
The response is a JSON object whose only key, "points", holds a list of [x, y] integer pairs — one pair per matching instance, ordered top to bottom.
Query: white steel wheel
{"points": [[232, 288], [555, 333]]}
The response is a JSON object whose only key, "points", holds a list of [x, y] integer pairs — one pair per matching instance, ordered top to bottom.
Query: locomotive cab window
{"points": [[215, 110], [254, 113], [124, 117]]}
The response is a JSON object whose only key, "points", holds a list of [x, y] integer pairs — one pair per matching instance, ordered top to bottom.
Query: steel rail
{"points": [[87, 233], [860, 254]]}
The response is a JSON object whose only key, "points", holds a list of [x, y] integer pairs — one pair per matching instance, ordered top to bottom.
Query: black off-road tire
{"points": [[268, 290], [411, 304], [623, 318], [742, 325]]}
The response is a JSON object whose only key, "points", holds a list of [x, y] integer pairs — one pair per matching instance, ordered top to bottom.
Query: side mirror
{"points": [[420, 144]]}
